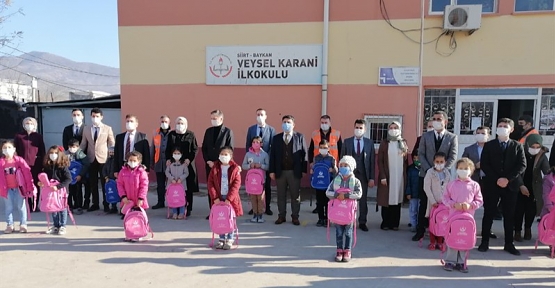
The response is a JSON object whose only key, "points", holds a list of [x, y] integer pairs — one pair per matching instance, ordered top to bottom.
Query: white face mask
{"points": [[260, 119], [77, 120], [96, 120], [215, 122], [438, 125], [130, 126], [164, 126], [29, 127], [325, 127], [180, 128], [429, 129], [503, 131], [359, 132], [394, 132], [481, 138], [72, 150], [534, 151], [8, 152], [323, 152], [53, 156], [176, 157], [225, 159], [133, 164], [439, 166], [463, 173]]}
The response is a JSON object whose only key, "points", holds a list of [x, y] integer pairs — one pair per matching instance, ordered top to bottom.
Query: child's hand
{"points": [[168, 162], [253, 165], [257, 165], [331, 170], [311, 171], [78, 178], [179, 181], [173, 182], [40, 184], [341, 196], [408, 197], [125, 201], [217, 201], [227, 202], [140, 203], [435, 205], [466, 206]]}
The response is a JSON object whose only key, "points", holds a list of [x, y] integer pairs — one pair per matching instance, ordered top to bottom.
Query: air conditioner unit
{"points": [[462, 17]]}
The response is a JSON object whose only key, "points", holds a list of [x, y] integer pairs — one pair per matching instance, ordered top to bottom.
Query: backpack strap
{"points": [[71, 217]]}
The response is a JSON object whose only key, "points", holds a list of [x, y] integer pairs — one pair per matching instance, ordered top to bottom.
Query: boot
{"points": [[528, 234], [518, 236]]}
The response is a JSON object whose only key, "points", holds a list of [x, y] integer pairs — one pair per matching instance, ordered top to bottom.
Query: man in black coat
{"points": [[75, 130], [502, 162]]}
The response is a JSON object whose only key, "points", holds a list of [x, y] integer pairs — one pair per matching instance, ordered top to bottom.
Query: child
{"points": [[259, 159], [10, 163], [56, 167], [177, 172], [108, 174], [345, 179], [133, 181], [224, 182], [434, 184], [412, 191], [463, 194], [548, 195], [75, 198], [321, 198]]}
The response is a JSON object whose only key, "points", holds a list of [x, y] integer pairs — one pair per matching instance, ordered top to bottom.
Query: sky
{"points": [[80, 30]]}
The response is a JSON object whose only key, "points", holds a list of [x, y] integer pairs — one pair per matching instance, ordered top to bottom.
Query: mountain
{"points": [[61, 72]]}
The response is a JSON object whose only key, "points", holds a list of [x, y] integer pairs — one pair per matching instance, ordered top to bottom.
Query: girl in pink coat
{"points": [[10, 165], [133, 181], [548, 193]]}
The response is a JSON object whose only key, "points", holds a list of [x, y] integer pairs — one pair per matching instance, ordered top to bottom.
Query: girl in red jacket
{"points": [[10, 165], [133, 181], [224, 182]]}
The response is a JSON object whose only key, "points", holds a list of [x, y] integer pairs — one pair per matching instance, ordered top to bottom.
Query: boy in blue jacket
{"points": [[412, 191]]}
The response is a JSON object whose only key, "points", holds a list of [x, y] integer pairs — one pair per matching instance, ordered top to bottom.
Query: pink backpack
{"points": [[254, 181], [26, 194], [175, 196], [52, 201], [342, 212], [439, 217], [223, 220], [135, 223], [546, 231], [462, 233]]}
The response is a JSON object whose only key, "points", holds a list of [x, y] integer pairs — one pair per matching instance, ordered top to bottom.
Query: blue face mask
{"points": [[287, 127], [344, 171]]}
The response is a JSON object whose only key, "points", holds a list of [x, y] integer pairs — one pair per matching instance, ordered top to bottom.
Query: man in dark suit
{"points": [[75, 130], [267, 133], [215, 138], [438, 140], [362, 149], [502, 161], [288, 164]]}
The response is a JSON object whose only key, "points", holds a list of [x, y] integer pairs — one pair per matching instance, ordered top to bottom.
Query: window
{"points": [[534, 5], [438, 6], [439, 99], [547, 113], [474, 115], [377, 126]]}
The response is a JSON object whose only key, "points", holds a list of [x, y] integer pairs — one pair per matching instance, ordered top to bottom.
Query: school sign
{"points": [[264, 65]]}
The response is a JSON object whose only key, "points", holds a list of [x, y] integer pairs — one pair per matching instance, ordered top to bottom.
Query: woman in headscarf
{"points": [[186, 141], [30, 146], [392, 167]]}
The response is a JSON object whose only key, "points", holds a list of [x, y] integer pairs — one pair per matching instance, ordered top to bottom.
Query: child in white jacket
{"points": [[435, 181]]}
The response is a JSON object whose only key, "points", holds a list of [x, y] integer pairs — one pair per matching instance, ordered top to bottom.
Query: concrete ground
{"points": [[94, 255]]}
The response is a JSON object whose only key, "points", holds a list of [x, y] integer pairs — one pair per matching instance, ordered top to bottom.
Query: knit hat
{"points": [[534, 139], [350, 161]]}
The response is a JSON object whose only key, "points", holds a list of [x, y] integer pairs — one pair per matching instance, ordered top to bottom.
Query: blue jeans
{"points": [[15, 200], [178, 211], [413, 211], [59, 218], [347, 231], [229, 236]]}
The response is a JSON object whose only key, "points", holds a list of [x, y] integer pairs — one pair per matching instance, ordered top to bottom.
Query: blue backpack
{"points": [[75, 169], [321, 178], [112, 195]]}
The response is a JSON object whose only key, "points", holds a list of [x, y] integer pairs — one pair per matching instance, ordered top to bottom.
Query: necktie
{"points": [[76, 131], [95, 133], [260, 133], [286, 139], [128, 144], [358, 146], [503, 146]]}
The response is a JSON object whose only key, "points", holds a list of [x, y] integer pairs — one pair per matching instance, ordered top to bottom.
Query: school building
{"points": [[189, 57]]}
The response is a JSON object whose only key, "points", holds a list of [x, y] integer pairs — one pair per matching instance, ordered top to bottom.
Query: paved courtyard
{"points": [[94, 255]]}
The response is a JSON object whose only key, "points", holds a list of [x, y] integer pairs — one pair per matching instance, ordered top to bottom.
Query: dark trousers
{"points": [[208, 169], [94, 171], [161, 187], [267, 190], [75, 199], [363, 201], [508, 202], [322, 204], [525, 208], [391, 216], [422, 220]]}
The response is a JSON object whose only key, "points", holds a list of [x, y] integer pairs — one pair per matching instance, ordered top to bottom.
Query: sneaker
{"points": [[78, 211], [174, 216], [180, 217], [254, 219], [260, 219], [320, 223], [22, 229], [8, 230], [52, 231], [62, 231], [228, 244], [220, 245], [432, 247], [440, 247], [339, 255], [347, 255], [448, 267], [461, 268]]}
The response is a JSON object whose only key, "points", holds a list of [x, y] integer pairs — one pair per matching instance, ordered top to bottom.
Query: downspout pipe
{"points": [[325, 44], [420, 72]]}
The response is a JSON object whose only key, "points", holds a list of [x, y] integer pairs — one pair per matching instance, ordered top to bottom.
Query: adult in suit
{"points": [[429, 127], [75, 130], [267, 133], [215, 137], [96, 139], [439, 140], [186, 141], [362, 149], [502, 161], [287, 166]]}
